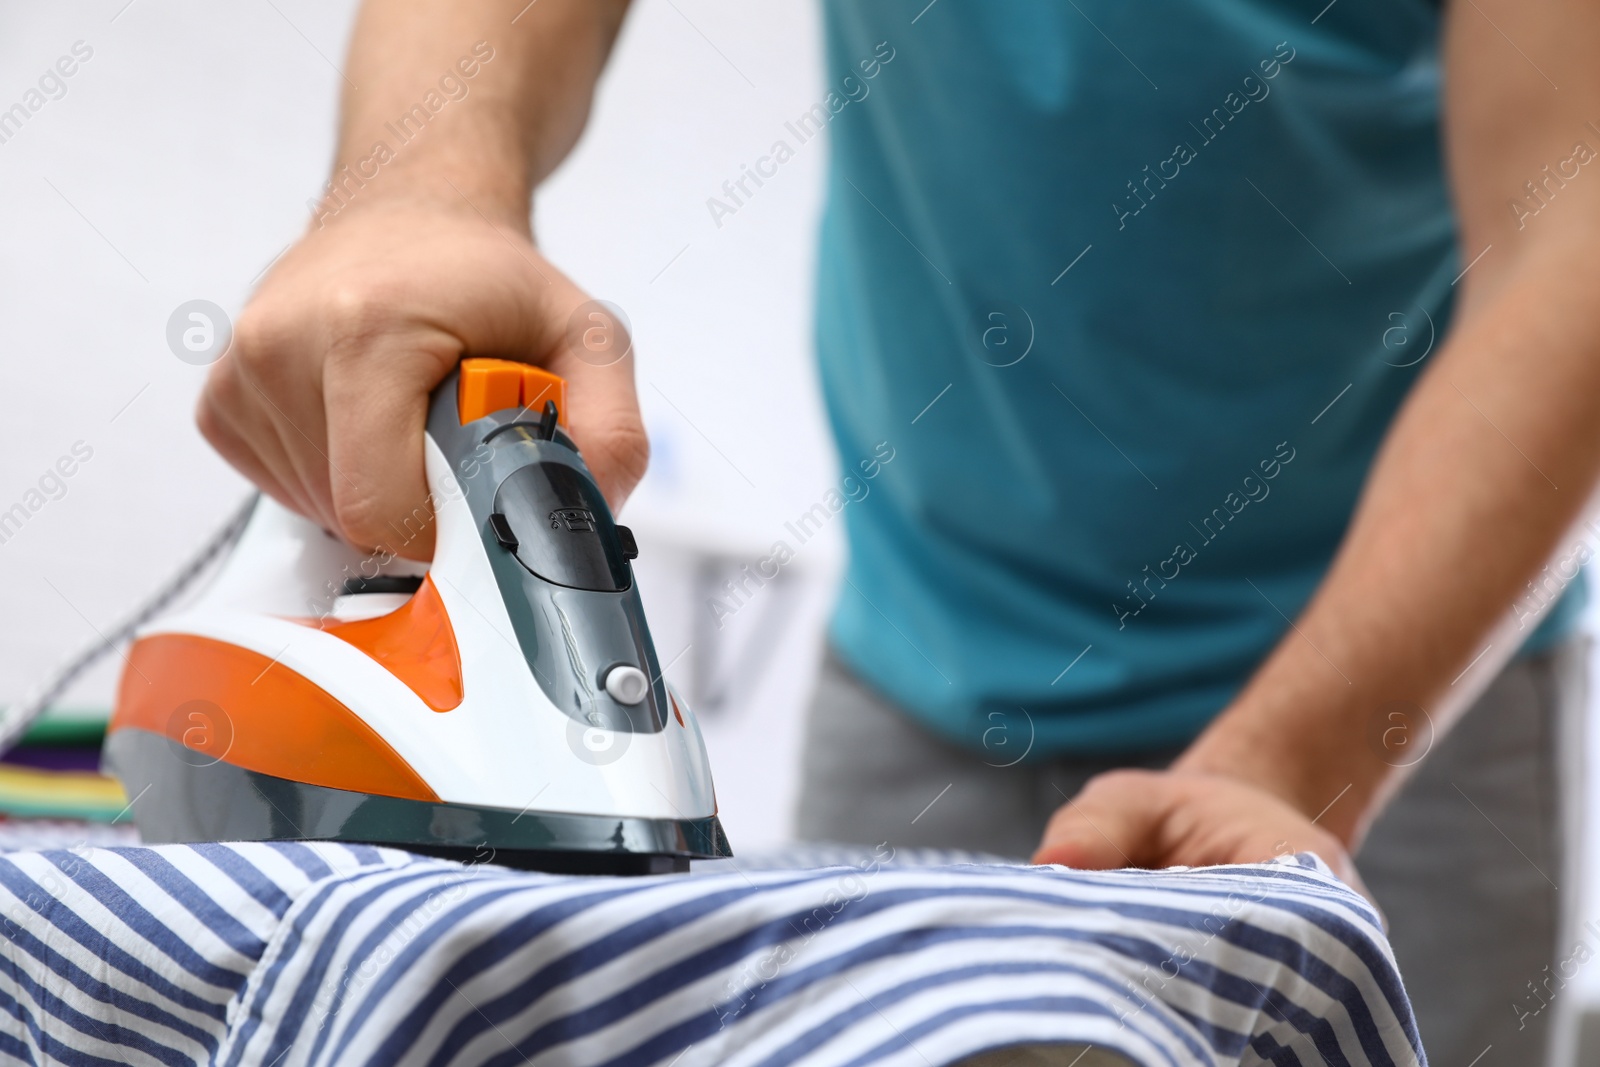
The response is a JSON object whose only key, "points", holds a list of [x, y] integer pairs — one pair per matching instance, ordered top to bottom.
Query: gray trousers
{"points": [[1465, 862]]}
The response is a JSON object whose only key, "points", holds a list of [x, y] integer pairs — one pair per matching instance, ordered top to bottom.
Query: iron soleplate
{"points": [[181, 795]]}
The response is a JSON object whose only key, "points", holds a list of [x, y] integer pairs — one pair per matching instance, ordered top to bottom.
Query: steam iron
{"points": [[503, 703]]}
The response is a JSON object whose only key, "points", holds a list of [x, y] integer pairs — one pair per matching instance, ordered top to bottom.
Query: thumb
{"points": [[595, 355], [1104, 827]]}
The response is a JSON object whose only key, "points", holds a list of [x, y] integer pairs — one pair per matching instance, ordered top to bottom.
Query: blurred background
{"points": [[177, 164]]}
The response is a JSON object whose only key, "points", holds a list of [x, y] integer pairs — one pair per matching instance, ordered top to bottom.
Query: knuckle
{"points": [[353, 313], [258, 331], [260, 338], [217, 411], [209, 419], [361, 517], [1122, 778]]}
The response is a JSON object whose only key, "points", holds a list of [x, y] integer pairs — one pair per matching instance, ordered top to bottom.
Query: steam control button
{"points": [[503, 532], [630, 547], [627, 685]]}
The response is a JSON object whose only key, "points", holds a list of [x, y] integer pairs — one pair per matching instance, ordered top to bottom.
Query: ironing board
{"points": [[298, 954]]}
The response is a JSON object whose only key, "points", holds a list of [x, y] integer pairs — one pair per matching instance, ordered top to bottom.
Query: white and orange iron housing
{"points": [[503, 703]]}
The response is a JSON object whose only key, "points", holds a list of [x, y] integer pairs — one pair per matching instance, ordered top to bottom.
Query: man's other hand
{"points": [[1155, 819]]}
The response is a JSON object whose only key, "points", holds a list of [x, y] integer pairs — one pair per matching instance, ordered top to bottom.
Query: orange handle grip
{"points": [[490, 385]]}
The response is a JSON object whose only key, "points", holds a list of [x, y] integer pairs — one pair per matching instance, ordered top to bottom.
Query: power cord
{"points": [[16, 719]]}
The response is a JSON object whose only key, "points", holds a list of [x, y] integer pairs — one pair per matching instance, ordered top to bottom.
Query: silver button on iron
{"points": [[627, 685]]}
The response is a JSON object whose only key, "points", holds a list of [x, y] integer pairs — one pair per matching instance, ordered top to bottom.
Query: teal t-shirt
{"points": [[1129, 293]]}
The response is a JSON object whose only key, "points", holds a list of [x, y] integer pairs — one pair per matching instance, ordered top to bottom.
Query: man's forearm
{"points": [[474, 99], [1492, 459], [1461, 510]]}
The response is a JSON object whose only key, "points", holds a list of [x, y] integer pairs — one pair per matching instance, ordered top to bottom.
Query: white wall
{"points": [[178, 164]]}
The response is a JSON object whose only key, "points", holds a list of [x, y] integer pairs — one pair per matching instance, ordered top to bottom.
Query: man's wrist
{"points": [[482, 190], [1319, 764]]}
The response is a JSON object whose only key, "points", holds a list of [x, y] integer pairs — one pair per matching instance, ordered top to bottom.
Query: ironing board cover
{"points": [[292, 954]]}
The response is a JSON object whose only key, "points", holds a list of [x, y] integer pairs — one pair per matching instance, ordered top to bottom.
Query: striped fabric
{"points": [[293, 954]]}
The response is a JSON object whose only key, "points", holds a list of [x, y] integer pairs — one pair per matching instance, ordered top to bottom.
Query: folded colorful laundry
{"points": [[54, 774]]}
